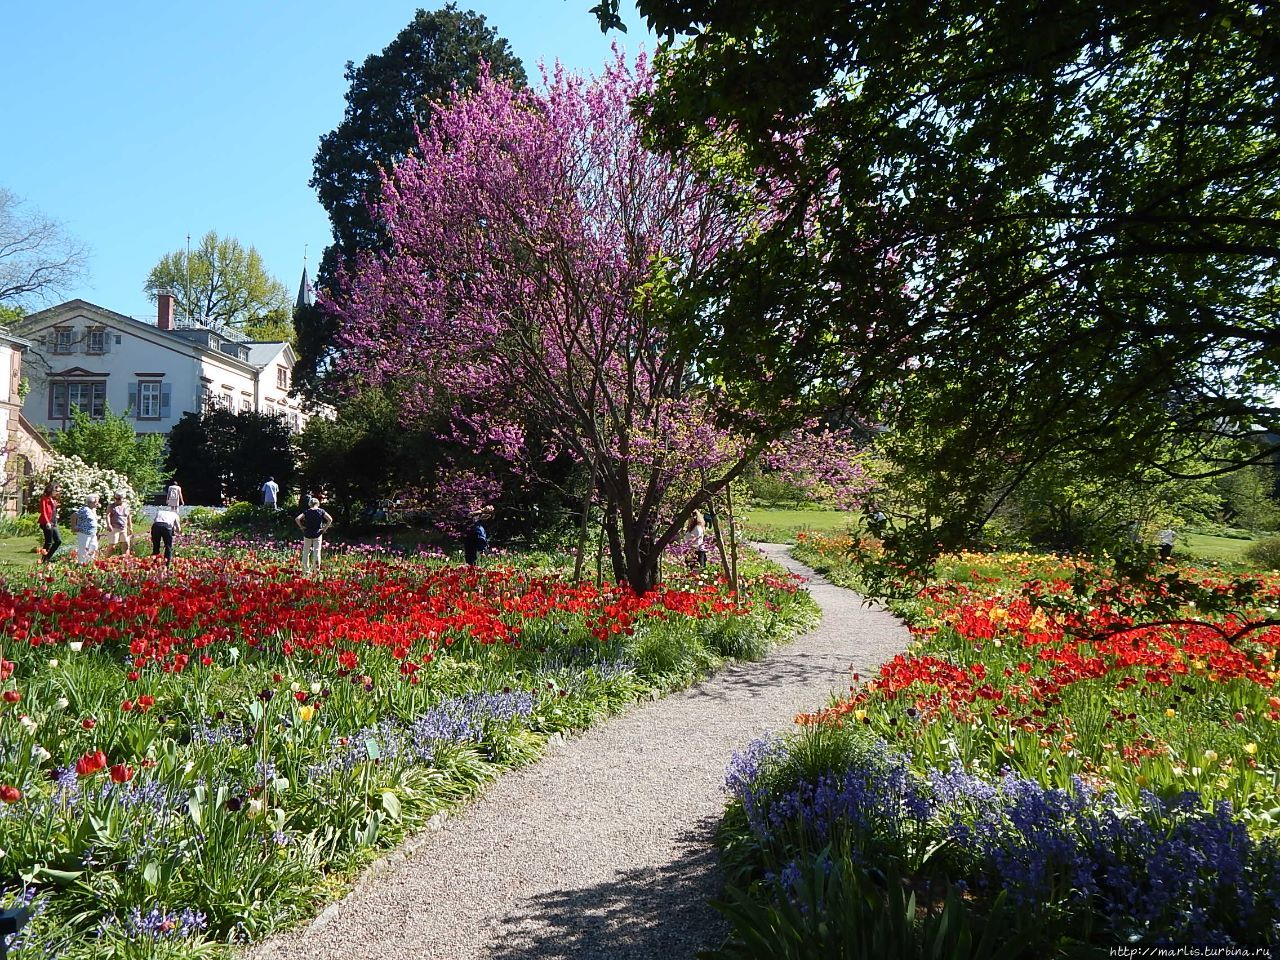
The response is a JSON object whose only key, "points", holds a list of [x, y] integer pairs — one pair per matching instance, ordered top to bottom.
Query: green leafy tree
{"points": [[389, 96], [1046, 233], [222, 284], [112, 444], [218, 454], [1248, 498]]}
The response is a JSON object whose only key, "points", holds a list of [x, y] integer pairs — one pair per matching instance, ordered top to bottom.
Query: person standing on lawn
{"points": [[271, 494], [173, 495], [49, 522], [313, 522], [85, 523], [119, 525], [165, 525], [696, 536], [1166, 538], [476, 539]]}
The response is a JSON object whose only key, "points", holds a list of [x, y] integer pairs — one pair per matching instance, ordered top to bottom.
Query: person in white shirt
{"points": [[271, 493], [173, 496], [166, 524], [696, 536], [1166, 538]]}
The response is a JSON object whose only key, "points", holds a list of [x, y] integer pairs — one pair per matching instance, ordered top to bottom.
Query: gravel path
{"points": [[604, 847]]}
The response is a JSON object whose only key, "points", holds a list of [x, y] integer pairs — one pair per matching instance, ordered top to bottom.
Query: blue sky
{"points": [[138, 122]]}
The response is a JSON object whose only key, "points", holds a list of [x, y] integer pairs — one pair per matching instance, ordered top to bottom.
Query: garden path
{"points": [[602, 849]]}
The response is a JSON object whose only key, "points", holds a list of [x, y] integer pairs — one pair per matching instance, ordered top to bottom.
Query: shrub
{"points": [[76, 480], [26, 525], [1265, 553]]}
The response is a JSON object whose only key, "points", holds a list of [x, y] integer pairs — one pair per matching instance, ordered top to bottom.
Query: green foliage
{"points": [[389, 95], [1018, 236], [222, 284], [10, 315], [275, 326], [112, 444], [219, 453], [363, 455], [1248, 498], [25, 525], [1265, 553], [842, 911]]}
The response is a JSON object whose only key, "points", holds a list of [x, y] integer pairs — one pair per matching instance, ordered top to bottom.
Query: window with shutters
{"points": [[63, 339], [95, 340], [282, 378], [89, 396], [149, 400]]}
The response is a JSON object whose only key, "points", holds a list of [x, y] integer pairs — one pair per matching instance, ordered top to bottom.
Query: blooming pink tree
{"points": [[535, 245]]}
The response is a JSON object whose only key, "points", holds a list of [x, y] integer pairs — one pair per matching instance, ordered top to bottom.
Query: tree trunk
{"points": [[583, 523], [733, 541], [615, 545]]}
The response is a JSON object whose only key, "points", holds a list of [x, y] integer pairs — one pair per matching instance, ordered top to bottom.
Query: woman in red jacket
{"points": [[49, 522]]}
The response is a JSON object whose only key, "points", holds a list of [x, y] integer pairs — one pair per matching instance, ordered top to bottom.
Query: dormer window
{"points": [[63, 339]]}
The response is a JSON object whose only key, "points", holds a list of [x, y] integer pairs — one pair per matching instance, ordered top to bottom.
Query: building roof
{"points": [[188, 336], [19, 342], [264, 352]]}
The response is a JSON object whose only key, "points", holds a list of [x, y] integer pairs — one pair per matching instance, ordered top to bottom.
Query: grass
{"points": [[780, 525], [1205, 547], [17, 552]]}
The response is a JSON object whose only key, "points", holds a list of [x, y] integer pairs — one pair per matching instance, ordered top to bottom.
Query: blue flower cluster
{"points": [[458, 720], [1164, 870], [156, 924]]}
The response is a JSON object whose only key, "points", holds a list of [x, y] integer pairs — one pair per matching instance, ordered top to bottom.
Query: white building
{"points": [[87, 357]]}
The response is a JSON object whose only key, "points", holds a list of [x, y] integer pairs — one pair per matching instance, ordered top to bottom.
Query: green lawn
{"points": [[774, 525], [1224, 549], [17, 551]]}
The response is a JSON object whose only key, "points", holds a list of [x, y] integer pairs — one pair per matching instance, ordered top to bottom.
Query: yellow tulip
{"points": [[306, 712], [1250, 748]]}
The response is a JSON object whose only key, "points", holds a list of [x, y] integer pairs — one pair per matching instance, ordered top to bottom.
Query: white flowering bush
{"points": [[76, 480]]}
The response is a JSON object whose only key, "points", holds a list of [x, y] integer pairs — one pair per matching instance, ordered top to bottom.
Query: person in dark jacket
{"points": [[476, 539]]}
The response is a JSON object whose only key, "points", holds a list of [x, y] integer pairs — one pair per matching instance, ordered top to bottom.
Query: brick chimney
{"points": [[165, 304]]}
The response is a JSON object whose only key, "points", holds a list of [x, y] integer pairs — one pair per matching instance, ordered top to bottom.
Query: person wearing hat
{"points": [[313, 522]]}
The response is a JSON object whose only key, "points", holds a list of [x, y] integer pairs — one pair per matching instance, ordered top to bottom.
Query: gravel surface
{"points": [[604, 847]]}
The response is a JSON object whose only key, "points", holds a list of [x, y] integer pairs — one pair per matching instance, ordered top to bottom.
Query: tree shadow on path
{"points": [[657, 912]]}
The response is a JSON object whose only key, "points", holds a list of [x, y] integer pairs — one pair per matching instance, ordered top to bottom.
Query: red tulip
{"points": [[6, 668], [12, 696], [126, 706], [88, 723], [91, 763], [121, 773], [10, 794]]}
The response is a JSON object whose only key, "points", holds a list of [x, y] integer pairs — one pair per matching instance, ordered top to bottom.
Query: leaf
{"points": [[391, 804], [60, 877]]}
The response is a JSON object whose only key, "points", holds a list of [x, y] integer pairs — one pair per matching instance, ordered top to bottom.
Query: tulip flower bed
{"points": [[192, 757], [1061, 757]]}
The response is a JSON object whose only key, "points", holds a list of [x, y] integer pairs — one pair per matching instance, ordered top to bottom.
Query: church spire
{"points": [[306, 293]]}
